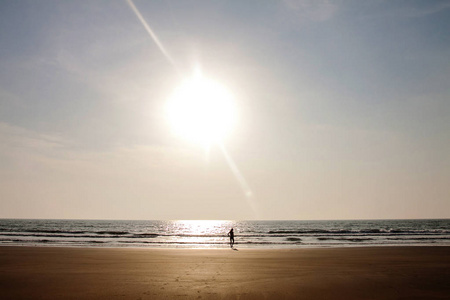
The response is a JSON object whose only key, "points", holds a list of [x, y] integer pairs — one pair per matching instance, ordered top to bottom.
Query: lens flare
{"points": [[153, 35], [241, 180]]}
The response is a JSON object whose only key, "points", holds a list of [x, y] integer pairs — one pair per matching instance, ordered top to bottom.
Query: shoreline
{"points": [[245, 247], [392, 272]]}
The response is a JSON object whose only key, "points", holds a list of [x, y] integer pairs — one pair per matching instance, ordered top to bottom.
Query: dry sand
{"points": [[333, 273]]}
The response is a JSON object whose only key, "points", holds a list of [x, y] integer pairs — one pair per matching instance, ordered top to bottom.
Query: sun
{"points": [[201, 110]]}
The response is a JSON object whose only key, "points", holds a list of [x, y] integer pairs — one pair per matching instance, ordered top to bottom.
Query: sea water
{"points": [[213, 234]]}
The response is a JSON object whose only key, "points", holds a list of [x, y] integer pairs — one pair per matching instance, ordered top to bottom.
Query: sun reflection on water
{"points": [[208, 232]]}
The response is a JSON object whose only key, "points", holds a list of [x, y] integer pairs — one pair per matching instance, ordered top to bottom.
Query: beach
{"points": [[310, 273]]}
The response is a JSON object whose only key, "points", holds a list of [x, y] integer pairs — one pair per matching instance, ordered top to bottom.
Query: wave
{"points": [[51, 231], [362, 231], [102, 232], [112, 232], [141, 235], [145, 235], [290, 235], [419, 238], [293, 239], [345, 239], [45, 241], [286, 242]]}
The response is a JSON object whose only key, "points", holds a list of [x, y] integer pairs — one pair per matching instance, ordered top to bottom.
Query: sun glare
{"points": [[201, 110]]}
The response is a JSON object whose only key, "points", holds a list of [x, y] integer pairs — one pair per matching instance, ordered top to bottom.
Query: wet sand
{"points": [[125, 273]]}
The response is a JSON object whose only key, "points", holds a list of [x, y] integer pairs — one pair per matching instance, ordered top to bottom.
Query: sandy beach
{"points": [[327, 273]]}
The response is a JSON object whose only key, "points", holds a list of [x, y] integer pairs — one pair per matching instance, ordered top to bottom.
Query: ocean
{"points": [[213, 234]]}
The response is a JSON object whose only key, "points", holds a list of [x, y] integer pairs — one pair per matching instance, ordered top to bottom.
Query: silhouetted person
{"points": [[231, 235]]}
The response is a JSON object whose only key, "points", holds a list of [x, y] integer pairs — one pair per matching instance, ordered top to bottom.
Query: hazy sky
{"points": [[343, 109]]}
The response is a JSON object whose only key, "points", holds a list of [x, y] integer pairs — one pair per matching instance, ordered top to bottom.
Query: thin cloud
{"points": [[405, 9], [428, 9], [318, 11], [14, 137], [19, 143]]}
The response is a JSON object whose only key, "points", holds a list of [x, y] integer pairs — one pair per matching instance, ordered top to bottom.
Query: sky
{"points": [[342, 109]]}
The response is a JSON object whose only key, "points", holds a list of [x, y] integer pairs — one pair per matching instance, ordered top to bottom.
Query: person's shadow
{"points": [[235, 249]]}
